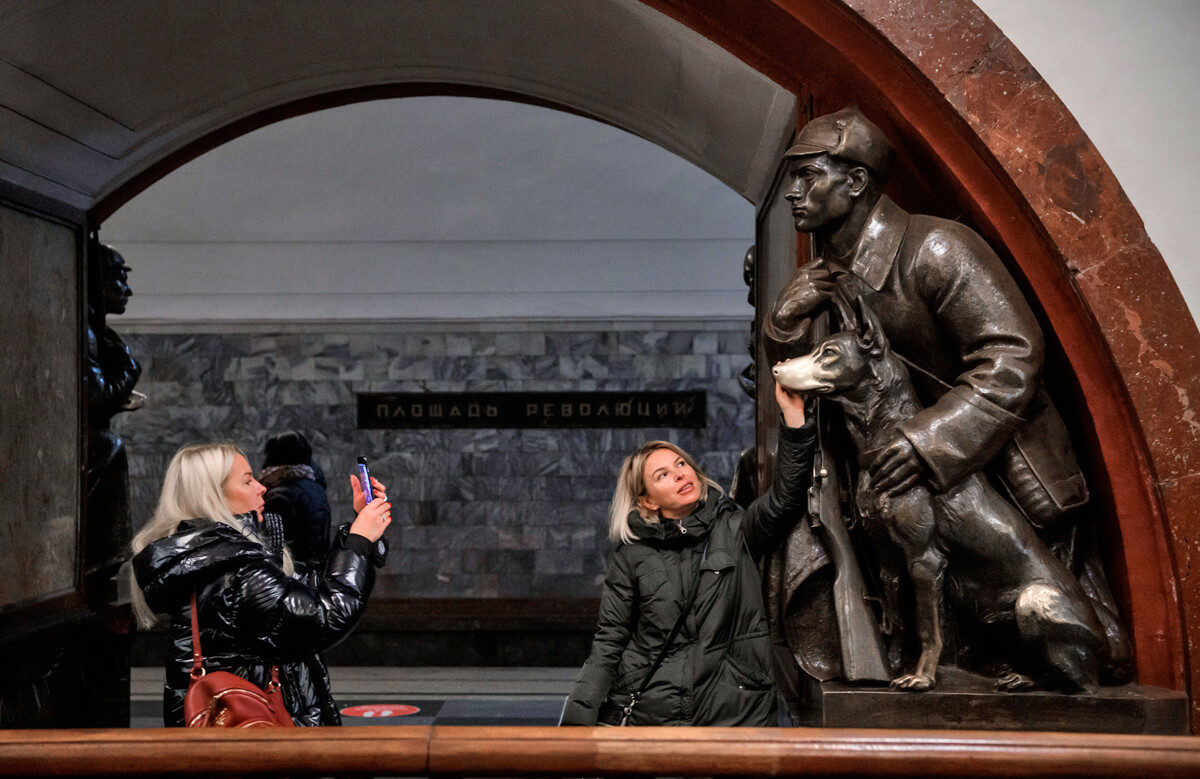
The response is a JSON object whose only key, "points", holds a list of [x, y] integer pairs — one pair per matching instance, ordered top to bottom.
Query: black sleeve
{"points": [[773, 513], [283, 618]]}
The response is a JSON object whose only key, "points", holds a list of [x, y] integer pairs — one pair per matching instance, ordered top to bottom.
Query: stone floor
{"points": [[381, 695], [388, 696]]}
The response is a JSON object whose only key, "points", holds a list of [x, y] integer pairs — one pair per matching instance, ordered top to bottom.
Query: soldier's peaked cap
{"points": [[849, 135]]}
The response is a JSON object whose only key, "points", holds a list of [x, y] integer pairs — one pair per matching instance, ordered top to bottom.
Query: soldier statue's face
{"points": [[820, 194]]}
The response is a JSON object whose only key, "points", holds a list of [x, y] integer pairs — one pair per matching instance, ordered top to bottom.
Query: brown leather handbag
{"points": [[224, 700]]}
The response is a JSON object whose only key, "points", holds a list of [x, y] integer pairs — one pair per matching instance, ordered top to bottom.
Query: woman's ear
{"points": [[647, 504]]}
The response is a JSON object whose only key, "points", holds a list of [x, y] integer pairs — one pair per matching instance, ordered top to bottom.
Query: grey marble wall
{"points": [[39, 408], [478, 513]]}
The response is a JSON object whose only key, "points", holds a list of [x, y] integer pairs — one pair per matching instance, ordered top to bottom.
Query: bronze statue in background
{"points": [[952, 312], [111, 373], [744, 488]]}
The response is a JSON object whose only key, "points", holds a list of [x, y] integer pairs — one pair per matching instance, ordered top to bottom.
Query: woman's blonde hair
{"points": [[631, 485], [192, 489]]}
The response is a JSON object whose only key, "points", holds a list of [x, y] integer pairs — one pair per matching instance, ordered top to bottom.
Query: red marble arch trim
{"points": [[942, 78]]}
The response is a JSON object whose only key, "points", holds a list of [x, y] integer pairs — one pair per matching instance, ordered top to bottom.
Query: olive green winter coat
{"points": [[718, 669]]}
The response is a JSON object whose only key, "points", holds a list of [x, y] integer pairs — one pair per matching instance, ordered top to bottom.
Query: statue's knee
{"points": [[1040, 603], [1042, 606]]}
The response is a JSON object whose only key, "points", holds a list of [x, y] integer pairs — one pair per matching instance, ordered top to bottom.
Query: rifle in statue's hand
{"points": [[863, 654]]}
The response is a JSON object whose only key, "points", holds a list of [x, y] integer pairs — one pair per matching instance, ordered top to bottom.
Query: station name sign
{"points": [[415, 410]]}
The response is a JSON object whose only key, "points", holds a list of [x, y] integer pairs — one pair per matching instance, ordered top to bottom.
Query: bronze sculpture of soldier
{"points": [[950, 308], [111, 372]]}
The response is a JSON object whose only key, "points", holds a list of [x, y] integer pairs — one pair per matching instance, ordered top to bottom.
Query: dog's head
{"points": [[840, 362]]}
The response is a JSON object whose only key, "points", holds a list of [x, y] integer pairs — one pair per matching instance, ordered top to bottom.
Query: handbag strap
{"points": [[662, 654], [198, 657]]}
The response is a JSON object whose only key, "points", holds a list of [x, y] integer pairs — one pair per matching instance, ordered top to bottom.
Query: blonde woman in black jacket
{"points": [[672, 524], [208, 536]]}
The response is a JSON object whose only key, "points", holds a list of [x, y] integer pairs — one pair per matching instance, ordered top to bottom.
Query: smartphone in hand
{"points": [[364, 478]]}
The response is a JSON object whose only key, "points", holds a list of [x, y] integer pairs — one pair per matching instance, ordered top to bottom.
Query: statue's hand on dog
{"points": [[897, 468]]}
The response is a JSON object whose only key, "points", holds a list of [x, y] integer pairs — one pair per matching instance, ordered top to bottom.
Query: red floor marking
{"points": [[380, 710]]}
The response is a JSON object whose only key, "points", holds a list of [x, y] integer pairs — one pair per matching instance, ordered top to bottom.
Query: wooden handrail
{"points": [[540, 751]]}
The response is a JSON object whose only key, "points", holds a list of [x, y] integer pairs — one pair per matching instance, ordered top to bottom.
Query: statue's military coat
{"points": [[947, 303]]}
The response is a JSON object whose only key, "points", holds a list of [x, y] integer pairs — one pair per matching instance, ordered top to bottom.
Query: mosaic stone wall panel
{"points": [[478, 513]]}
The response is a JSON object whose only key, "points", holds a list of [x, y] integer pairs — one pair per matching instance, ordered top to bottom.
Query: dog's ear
{"points": [[870, 333]]}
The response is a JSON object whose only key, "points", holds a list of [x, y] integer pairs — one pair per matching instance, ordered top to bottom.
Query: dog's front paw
{"points": [[1014, 682], [913, 683]]}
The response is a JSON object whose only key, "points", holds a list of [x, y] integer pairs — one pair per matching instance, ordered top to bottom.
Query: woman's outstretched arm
{"points": [[773, 513]]}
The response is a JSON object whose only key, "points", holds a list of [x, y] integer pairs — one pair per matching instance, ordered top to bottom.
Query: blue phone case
{"points": [[364, 478]]}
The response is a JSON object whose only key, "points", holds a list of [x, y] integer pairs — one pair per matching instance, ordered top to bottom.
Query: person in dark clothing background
{"points": [[296, 493]]}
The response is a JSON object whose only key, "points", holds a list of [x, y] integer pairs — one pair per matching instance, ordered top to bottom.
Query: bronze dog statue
{"points": [[968, 540]]}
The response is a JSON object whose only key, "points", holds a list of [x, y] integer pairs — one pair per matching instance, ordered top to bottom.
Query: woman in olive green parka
{"points": [[717, 670]]}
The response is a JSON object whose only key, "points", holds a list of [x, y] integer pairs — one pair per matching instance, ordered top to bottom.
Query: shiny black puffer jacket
{"points": [[253, 615], [718, 670]]}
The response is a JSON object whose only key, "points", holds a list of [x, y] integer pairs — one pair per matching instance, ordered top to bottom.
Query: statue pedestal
{"points": [[966, 701]]}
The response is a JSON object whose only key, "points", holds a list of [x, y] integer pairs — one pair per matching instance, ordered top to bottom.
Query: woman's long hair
{"points": [[631, 485], [192, 489]]}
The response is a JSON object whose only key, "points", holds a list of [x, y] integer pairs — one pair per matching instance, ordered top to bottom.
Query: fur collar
{"points": [[278, 474]]}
